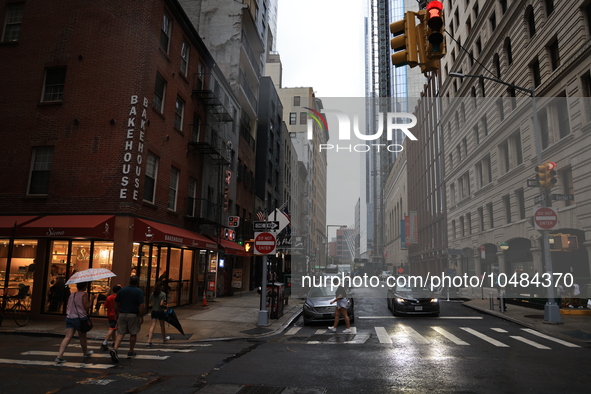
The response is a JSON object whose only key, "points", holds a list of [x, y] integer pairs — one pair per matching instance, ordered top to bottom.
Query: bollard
{"points": [[491, 300], [502, 303]]}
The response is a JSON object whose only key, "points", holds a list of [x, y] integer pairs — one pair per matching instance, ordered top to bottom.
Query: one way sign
{"points": [[273, 225]]}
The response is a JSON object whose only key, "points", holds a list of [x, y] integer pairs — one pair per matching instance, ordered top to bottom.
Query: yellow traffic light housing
{"points": [[404, 42], [435, 43], [546, 175], [563, 242]]}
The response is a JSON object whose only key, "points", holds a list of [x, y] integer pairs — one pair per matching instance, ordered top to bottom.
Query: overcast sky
{"points": [[321, 45]]}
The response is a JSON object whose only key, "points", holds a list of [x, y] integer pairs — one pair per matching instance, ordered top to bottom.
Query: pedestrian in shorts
{"points": [[158, 302], [129, 307], [111, 316]]}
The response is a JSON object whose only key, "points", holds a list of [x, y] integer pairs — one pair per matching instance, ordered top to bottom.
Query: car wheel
{"points": [[436, 314]]}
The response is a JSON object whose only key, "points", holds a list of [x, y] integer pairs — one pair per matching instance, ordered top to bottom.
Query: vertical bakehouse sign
{"points": [[133, 148]]}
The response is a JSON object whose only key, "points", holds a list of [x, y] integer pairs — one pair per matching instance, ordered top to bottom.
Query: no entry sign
{"points": [[545, 218], [264, 243]]}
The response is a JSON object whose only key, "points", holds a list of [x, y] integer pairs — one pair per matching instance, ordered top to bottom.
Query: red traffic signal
{"points": [[436, 45], [546, 175]]}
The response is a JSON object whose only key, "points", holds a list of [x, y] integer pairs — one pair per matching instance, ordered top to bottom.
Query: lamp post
{"points": [[551, 309]]}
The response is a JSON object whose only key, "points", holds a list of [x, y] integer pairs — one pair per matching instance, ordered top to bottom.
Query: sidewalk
{"points": [[225, 318]]}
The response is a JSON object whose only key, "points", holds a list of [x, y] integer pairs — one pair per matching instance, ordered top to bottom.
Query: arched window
{"points": [[549, 7], [531, 23], [508, 52], [497, 65]]}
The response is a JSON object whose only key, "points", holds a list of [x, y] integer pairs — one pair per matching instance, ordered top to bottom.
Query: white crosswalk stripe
{"points": [[498, 329], [539, 334], [383, 335], [450, 336], [484, 337], [418, 338], [530, 342], [95, 355], [54, 364]]}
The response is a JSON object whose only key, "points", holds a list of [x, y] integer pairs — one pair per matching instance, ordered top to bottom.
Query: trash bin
{"points": [[275, 297]]}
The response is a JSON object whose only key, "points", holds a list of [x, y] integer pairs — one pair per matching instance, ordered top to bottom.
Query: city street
{"points": [[461, 351]]}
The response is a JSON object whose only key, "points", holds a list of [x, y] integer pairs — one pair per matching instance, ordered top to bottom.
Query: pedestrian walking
{"points": [[158, 302], [129, 307], [340, 309], [77, 310], [111, 316]]}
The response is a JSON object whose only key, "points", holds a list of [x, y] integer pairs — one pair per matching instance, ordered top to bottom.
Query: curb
{"points": [[492, 313]]}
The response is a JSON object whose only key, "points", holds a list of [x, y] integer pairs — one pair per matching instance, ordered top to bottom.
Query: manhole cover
{"points": [[534, 316]]}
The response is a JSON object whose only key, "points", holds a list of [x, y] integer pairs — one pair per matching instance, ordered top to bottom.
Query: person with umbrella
{"points": [[78, 305], [130, 307]]}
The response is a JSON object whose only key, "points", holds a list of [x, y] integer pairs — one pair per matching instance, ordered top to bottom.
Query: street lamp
{"points": [[551, 309]]}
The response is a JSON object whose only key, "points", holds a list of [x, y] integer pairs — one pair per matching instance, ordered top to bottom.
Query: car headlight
{"points": [[400, 300], [433, 300], [308, 307]]}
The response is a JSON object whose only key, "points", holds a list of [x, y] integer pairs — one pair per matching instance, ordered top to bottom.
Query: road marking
{"points": [[375, 317], [462, 317], [498, 329], [293, 330], [321, 331], [534, 332], [383, 335], [450, 336], [484, 337], [418, 338], [530, 342], [155, 348], [95, 355], [54, 364]]}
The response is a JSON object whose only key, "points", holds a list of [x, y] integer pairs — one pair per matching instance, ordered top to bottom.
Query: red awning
{"points": [[7, 224], [70, 226], [148, 231], [233, 248]]}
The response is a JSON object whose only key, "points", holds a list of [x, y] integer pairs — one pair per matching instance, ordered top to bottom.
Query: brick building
{"points": [[116, 138]]}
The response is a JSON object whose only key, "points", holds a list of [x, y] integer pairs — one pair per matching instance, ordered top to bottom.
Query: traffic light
{"points": [[435, 29], [404, 42], [546, 175], [563, 242], [248, 245]]}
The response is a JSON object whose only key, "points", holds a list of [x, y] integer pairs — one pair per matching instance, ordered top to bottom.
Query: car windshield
{"points": [[412, 288], [321, 292]]}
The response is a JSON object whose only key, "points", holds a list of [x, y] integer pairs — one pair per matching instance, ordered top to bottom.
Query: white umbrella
{"points": [[89, 275]]}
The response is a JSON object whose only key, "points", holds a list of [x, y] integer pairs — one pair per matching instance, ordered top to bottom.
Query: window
{"points": [[503, 6], [549, 7], [475, 9], [588, 16], [13, 21], [493, 22], [531, 23], [468, 25], [165, 32], [478, 46], [508, 51], [554, 55], [185, 57], [497, 65], [535, 72], [53, 89], [482, 89], [586, 90], [159, 92], [512, 99], [296, 101], [561, 108], [500, 109], [179, 113], [293, 117], [303, 117], [484, 125], [195, 128], [544, 131], [476, 136], [516, 148], [504, 152], [487, 169], [40, 170], [479, 174], [150, 178], [567, 181], [173, 188], [192, 194], [452, 194], [520, 197], [507, 205], [481, 218], [491, 218], [469, 222], [462, 227], [453, 229]]}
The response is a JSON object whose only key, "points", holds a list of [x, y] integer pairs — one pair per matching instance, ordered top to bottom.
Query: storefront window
{"points": [[21, 267], [186, 276], [174, 277]]}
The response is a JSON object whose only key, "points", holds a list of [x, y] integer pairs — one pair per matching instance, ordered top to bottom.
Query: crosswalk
{"points": [[404, 334], [99, 360]]}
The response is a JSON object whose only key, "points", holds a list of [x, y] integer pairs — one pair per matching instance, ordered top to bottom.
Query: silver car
{"points": [[317, 307]]}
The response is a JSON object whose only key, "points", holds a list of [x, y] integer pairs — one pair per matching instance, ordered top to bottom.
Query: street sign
{"points": [[533, 183], [563, 197], [540, 198], [545, 218], [233, 221], [266, 225], [264, 243]]}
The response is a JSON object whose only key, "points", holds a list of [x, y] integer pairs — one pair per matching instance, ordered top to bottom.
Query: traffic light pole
{"points": [[551, 309]]}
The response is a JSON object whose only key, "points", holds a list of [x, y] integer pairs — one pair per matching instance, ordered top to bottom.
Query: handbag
{"points": [[86, 324]]}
